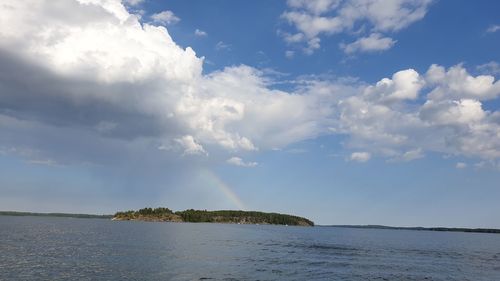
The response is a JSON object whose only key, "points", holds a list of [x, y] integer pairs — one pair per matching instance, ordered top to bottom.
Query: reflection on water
{"points": [[44, 248]]}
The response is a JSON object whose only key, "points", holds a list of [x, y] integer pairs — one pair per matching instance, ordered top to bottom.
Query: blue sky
{"points": [[346, 112]]}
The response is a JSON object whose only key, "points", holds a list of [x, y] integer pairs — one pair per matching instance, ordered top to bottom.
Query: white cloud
{"points": [[388, 15], [165, 17], [314, 18], [311, 26], [493, 28], [200, 33], [293, 38], [104, 42], [373, 43], [312, 45], [289, 54], [457, 83], [404, 85], [464, 111], [446, 125], [190, 146], [360, 156], [237, 161], [461, 165]]}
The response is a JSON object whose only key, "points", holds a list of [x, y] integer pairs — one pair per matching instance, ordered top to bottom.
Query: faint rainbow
{"points": [[213, 180]]}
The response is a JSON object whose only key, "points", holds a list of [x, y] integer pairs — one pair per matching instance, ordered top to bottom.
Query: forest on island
{"points": [[222, 216]]}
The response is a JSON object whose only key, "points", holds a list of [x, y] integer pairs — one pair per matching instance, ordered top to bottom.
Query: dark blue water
{"points": [[44, 248]]}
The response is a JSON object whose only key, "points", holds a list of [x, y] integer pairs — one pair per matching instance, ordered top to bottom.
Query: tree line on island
{"points": [[223, 216]]}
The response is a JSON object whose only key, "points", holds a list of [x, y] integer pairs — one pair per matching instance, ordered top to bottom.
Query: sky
{"points": [[341, 111]]}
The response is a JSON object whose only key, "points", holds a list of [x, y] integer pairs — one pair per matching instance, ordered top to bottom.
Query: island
{"points": [[223, 216]]}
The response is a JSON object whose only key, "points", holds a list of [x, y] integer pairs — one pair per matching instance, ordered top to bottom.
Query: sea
{"points": [[52, 248]]}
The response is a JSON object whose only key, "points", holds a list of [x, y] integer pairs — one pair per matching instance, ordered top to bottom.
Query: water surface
{"points": [[49, 248]]}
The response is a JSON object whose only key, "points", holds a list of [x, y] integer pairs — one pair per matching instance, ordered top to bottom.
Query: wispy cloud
{"points": [[493, 28], [200, 33], [373, 43], [222, 46], [289, 54], [490, 68], [360, 156], [237, 161], [47, 162]]}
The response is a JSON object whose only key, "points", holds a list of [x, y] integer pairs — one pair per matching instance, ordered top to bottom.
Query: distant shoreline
{"points": [[62, 215], [419, 228]]}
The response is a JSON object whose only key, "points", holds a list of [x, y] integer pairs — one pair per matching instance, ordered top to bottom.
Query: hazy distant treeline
{"points": [[87, 216]]}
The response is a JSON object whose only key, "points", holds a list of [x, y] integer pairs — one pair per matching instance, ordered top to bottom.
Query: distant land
{"points": [[83, 216], [223, 216], [229, 216], [454, 229]]}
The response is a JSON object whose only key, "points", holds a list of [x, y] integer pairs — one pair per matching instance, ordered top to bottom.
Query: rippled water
{"points": [[44, 248]]}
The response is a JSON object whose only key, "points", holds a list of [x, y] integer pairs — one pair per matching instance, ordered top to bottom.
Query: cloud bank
{"points": [[82, 81]]}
